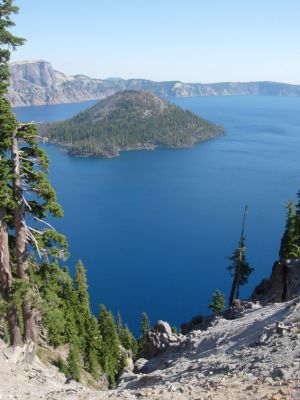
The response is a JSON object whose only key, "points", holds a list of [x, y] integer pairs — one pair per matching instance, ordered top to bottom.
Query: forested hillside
{"points": [[126, 121]]}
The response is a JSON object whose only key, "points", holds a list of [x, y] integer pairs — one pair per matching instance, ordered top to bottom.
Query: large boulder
{"points": [[283, 284], [199, 322], [157, 340], [140, 366]]}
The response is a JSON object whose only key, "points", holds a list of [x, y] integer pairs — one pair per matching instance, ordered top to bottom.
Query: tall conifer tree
{"points": [[8, 125], [23, 168], [35, 198], [290, 237], [290, 242], [239, 268], [87, 324], [145, 324], [112, 358]]}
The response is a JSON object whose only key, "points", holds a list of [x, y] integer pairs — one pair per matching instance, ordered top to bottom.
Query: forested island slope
{"points": [[129, 120]]}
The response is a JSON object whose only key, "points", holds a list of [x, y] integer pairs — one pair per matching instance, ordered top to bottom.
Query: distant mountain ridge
{"points": [[37, 83], [129, 120]]}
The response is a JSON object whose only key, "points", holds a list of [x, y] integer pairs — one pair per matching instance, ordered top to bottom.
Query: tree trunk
{"points": [[20, 242], [5, 272], [238, 278], [6, 282], [233, 287], [29, 323], [14, 327]]}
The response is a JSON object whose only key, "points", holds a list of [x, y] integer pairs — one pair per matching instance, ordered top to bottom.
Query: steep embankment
{"points": [[37, 83], [129, 120], [253, 357]]}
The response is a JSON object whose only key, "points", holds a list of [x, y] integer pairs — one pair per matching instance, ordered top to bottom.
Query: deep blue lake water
{"points": [[154, 227]]}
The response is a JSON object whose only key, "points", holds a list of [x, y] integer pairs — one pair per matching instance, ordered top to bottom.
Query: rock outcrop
{"points": [[37, 83], [283, 284], [158, 340], [252, 357]]}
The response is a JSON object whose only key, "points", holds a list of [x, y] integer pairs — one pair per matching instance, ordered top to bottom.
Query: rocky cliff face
{"points": [[38, 73], [37, 83], [283, 284]]}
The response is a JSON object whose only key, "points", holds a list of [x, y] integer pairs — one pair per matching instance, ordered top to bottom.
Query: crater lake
{"points": [[154, 228]]}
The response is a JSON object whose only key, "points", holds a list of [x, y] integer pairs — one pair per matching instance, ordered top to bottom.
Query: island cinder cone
{"points": [[129, 120]]}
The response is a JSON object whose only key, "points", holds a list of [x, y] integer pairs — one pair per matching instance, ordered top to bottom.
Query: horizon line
{"points": [[152, 80]]}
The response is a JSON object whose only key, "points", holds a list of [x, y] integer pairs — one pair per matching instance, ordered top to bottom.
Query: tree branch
{"points": [[28, 170], [26, 203], [44, 222], [31, 236]]}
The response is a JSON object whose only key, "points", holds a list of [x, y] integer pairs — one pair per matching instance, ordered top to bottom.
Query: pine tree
{"points": [[8, 125], [29, 166], [23, 169], [297, 227], [290, 238], [290, 242], [239, 268], [47, 279], [51, 281], [82, 286], [82, 302], [217, 304], [69, 309], [64, 319], [145, 324], [87, 325], [145, 327], [174, 329], [71, 330], [127, 339], [129, 342], [92, 346], [112, 358], [73, 362]]}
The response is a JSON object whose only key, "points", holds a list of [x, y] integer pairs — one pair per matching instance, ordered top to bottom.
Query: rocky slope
{"points": [[37, 83], [129, 120], [251, 351], [256, 356]]}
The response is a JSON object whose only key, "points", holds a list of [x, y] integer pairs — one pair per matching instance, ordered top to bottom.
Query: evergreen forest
{"points": [[129, 120]]}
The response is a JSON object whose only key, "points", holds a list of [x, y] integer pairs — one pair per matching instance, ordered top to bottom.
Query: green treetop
{"points": [[290, 242], [239, 267], [81, 286], [217, 304], [145, 324], [111, 355]]}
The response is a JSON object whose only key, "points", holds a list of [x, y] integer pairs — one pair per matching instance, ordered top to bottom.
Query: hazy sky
{"points": [[187, 40]]}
